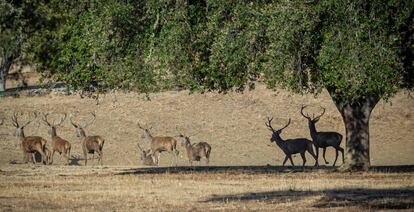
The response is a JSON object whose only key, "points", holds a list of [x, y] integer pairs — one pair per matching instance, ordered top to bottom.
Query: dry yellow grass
{"points": [[234, 126], [119, 188]]}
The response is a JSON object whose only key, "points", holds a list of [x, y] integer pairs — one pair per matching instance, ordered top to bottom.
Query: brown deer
{"points": [[323, 139], [29, 144], [59, 144], [90, 144], [160, 144], [291, 146], [195, 152], [37, 155], [146, 157]]}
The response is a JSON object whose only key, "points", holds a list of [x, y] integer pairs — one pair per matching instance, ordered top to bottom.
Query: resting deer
{"points": [[323, 139], [29, 144], [59, 144], [90, 144], [160, 144], [291, 146], [196, 151], [37, 155], [146, 157]]}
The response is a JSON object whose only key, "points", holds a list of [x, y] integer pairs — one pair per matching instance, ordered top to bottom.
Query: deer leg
{"points": [[324, 151], [342, 151], [42, 153], [317, 154], [53, 155], [85, 155], [336, 156], [100, 157], [303, 158], [284, 161], [291, 161]]}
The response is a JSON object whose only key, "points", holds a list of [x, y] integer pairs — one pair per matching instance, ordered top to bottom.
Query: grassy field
{"points": [[244, 171], [121, 188]]}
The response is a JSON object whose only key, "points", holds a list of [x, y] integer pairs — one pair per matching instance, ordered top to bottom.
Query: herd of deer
{"points": [[158, 144]]}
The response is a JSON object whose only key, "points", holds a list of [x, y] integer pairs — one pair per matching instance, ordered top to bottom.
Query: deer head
{"points": [[314, 119], [53, 125], [20, 127], [146, 129], [80, 132], [275, 132], [186, 138]]}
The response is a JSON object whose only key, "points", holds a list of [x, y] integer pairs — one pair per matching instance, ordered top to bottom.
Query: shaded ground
{"points": [[120, 188]]}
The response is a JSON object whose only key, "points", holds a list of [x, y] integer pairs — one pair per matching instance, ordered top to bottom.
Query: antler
{"points": [[301, 112], [323, 112], [313, 115], [71, 121], [90, 122], [16, 123], [269, 124], [80, 125], [285, 126], [139, 147]]}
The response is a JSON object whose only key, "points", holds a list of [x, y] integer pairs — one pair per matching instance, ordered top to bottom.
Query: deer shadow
{"points": [[252, 169], [331, 198]]}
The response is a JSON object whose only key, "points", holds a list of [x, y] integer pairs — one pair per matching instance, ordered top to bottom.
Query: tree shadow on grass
{"points": [[251, 169], [331, 198]]}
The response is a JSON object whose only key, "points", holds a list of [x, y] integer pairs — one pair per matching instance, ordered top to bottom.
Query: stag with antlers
{"points": [[323, 139], [29, 144], [59, 144], [90, 144], [160, 144], [291, 146], [197, 151], [146, 157]]}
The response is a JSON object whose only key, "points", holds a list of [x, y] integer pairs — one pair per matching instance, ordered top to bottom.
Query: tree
{"points": [[10, 39], [361, 52]]}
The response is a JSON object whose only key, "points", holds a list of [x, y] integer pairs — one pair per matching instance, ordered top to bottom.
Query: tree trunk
{"points": [[2, 80], [356, 114]]}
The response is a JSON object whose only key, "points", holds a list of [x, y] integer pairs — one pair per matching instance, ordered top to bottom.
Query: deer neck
{"points": [[313, 131], [53, 132], [81, 133], [20, 134], [278, 140], [188, 144]]}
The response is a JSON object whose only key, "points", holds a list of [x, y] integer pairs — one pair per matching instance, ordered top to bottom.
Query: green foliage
{"points": [[356, 48]]}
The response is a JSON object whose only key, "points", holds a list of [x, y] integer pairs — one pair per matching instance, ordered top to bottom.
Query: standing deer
{"points": [[323, 139], [29, 144], [59, 144], [90, 144], [160, 144], [291, 146], [196, 151], [146, 157]]}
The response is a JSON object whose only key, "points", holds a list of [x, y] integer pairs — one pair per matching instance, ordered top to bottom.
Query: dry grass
{"points": [[234, 126], [117, 188]]}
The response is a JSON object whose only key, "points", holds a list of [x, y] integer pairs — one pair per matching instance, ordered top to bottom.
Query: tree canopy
{"points": [[360, 51]]}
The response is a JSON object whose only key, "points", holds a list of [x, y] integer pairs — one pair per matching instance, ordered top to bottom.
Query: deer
{"points": [[323, 139], [29, 144], [59, 144], [90, 144], [160, 144], [290, 146], [195, 152], [37, 155], [146, 157]]}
